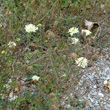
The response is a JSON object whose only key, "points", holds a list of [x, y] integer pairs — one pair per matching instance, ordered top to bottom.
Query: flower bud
{"points": [[52, 95]]}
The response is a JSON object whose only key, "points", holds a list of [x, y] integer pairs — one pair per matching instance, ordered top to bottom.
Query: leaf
{"points": [[39, 25], [90, 25], [35, 39], [29, 78], [107, 86]]}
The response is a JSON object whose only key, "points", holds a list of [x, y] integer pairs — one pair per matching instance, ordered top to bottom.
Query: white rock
{"points": [[105, 82], [95, 86], [100, 95]]}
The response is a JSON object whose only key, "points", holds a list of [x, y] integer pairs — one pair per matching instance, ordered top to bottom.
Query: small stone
{"points": [[105, 82], [95, 86], [94, 93], [100, 95], [90, 104], [96, 104], [108, 105]]}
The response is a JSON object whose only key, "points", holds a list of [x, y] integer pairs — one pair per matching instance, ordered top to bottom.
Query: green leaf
{"points": [[39, 25], [35, 39]]}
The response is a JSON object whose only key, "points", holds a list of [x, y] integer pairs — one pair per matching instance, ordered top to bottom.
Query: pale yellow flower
{"points": [[89, 24], [0, 25], [31, 28], [73, 30], [86, 32], [18, 39], [74, 40], [11, 44], [3, 52], [82, 62], [64, 75], [35, 78], [12, 97]]}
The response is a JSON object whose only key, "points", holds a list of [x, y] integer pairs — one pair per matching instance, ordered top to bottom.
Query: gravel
{"points": [[95, 78], [91, 85]]}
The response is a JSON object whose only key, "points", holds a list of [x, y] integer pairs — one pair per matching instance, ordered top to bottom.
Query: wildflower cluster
{"points": [[12, 44], [82, 62]]}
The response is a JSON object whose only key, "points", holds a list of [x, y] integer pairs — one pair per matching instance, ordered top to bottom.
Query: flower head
{"points": [[102, 6], [0, 25], [39, 25], [31, 28], [73, 30], [86, 32], [18, 39], [75, 40], [11, 44], [3, 52], [82, 62], [64, 75], [35, 78], [6, 86], [12, 97]]}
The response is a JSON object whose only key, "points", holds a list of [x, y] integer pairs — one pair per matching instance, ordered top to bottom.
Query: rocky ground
{"points": [[92, 85], [92, 88]]}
